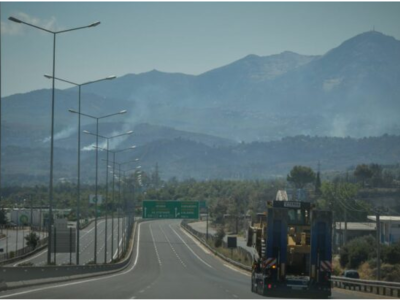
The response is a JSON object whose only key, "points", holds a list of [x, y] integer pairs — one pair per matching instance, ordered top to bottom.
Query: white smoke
{"points": [[340, 126], [67, 132], [92, 146]]}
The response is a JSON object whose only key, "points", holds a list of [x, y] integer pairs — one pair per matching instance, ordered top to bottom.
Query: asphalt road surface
{"points": [[16, 239], [86, 246], [167, 263]]}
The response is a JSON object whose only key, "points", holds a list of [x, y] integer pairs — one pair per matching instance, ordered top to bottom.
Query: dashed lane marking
{"points": [[173, 249]]}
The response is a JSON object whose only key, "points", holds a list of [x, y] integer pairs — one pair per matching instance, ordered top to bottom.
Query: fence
{"points": [[12, 253], [16, 277]]}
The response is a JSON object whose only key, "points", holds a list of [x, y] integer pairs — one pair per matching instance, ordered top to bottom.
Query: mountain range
{"points": [[351, 91]]}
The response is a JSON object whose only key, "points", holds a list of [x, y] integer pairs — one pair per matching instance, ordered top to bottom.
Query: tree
{"points": [[363, 173], [300, 176], [155, 177], [318, 185], [3, 217], [219, 236], [32, 239], [357, 251]]}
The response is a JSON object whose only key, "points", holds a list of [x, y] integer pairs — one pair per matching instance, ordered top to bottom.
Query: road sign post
{"points": [[170, 210]]}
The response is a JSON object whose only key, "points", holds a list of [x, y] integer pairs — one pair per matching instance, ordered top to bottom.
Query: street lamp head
{"points": [[14, 20], [94, 24], [48, 76], [111, 77], [72, 111], [122, 111], [85, 131], [130, 132], [133, 147]]}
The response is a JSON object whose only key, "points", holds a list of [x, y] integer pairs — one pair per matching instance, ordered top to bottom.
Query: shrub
{"points": [[219, 236], [32, 240], [357, 251], [391, 254], [390, 272]]}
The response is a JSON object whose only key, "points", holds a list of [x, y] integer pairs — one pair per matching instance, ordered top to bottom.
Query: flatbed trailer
{"points": [[294, 245]]}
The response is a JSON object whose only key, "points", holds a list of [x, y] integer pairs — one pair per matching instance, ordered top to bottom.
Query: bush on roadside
{"points": [[219, 236], [357, 251], [391, 254], [390, 272]]}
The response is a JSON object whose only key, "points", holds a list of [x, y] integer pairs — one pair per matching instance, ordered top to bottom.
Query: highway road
{"points": [[16, 239], [86, 246], [167, 263]]}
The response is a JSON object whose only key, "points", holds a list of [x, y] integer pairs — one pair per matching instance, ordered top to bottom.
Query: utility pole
{"points": [[31, 211], [378, 212], [207, 224], [345, 226], [378, 248]]}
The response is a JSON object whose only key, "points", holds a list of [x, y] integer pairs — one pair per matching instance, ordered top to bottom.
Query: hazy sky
{"points": [[191, 38]]}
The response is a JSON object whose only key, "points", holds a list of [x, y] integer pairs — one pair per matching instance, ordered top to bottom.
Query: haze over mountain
{"points": [[352, 90]]}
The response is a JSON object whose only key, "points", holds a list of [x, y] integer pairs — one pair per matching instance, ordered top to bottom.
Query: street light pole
{"points": [[52, 120], [79, 153], [97, 160], [113, 190], [106, 200]]}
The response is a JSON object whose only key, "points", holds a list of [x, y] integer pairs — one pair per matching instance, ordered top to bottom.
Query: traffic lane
{"points": [[15, 240], [225, 269], [142, 272], [144, 277], [177, 279], [233, 282]]}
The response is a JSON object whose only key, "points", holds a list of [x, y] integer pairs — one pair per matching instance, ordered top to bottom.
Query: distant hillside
{"points": [[183, 158]]}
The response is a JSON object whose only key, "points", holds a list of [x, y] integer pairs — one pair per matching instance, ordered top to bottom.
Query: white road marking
{"points": [[155, 246], [201, 246], [173, 249], [191, 249], [237, 270], [88, 280]]}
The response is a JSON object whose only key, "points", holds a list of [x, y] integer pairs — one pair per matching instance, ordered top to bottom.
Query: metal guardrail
{"points": [[384, 288]]}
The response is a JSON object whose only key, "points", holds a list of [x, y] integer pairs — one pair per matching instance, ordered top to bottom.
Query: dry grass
{"points": [[232, 254], [366, 272]]}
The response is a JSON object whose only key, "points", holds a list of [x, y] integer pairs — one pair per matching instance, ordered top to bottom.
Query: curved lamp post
{"points": [[54, 33], [108, 139], [79, 152], [97, 159]]}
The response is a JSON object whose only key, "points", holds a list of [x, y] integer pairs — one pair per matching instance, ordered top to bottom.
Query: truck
{"points": [[292, 251]]}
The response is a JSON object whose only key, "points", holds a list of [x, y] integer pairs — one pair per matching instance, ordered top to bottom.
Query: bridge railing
{"points": [[384, 288]]}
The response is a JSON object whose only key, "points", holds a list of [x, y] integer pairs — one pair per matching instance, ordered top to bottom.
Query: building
{"points": [[38, 215], [390, 228], [354, 230]]}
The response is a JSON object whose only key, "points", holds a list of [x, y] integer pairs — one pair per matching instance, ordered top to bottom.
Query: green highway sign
{"points": [[170, 210]]}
